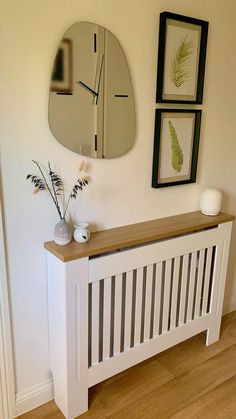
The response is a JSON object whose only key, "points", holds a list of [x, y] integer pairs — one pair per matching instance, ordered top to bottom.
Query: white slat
{"points": [[128, 260], [216, 279], [207, 280], [199, 283], [191, 286], [183, 289], [174, 293], [166, 298], [157, 300], [148, 302], [138, 306], [128, 309], [117, 313], [106, 318], [95, 322]]}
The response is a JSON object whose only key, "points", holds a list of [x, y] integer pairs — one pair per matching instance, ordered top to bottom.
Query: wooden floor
{"points": [[184, 382]]}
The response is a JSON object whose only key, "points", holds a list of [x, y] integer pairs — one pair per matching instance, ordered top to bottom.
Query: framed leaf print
{"points": [[181, 59], [61, 81], [176, 143]]}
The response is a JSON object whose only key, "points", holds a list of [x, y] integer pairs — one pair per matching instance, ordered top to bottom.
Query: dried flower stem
{"points": [[48, 188], [54, 191], [67, 204]]}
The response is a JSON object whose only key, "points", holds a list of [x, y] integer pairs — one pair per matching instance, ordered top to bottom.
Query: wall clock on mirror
{"points": [[91, 99]]}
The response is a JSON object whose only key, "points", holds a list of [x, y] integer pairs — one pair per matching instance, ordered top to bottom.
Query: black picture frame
{"points": [[181, 59], [61, 80], [176, 131]]}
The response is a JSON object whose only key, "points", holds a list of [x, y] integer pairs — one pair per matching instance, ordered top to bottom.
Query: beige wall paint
{"points": [[120, 192]]}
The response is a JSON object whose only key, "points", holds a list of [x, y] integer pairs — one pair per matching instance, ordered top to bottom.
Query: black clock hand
{"points": [[99, 80], [87, 87]]}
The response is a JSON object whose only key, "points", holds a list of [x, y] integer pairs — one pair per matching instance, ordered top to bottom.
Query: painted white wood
{"points": [[126, 260], [216, 277], [220, 277], [192, 280], [207, 280], [199, 283], [183, 294], [166, 297], [174, 298], [157, 300], [148, 302], [138, 306], [68, 308], [128, 309], [117, 313], [107, 318], [95, 322], [68, 333], [146, 350], [7, 382], [3, 386], [34, 397], [2, 413]]}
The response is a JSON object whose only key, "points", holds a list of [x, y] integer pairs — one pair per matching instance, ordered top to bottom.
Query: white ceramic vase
{"points": [[210, 202], [62, 233], [81, 233]]}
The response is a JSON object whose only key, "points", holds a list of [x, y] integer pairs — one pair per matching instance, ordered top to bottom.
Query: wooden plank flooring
{"points": [[189, 381]]}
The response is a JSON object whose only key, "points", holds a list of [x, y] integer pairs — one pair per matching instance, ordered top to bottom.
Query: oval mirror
{"points": [[91, 100]]}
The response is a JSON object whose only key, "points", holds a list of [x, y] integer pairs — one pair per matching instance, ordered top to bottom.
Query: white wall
{"points": [[30, 32]]}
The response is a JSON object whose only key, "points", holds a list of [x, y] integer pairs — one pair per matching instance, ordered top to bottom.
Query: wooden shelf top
{"points": [[135, 234]]}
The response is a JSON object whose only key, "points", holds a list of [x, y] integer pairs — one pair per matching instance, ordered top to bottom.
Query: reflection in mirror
{"points": [[91, 100]]}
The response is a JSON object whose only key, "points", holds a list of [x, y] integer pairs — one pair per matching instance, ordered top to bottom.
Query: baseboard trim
{"points": [[229, 307], [34, 397]]}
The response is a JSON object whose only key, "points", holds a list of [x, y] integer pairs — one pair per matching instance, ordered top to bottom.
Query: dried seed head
{"points": [[81, 166], [83, 178], [36, 190]]}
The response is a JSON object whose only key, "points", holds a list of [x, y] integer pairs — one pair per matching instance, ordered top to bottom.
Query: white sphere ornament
{"points": [[210, 202]]}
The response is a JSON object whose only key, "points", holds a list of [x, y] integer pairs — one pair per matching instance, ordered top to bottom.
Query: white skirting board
{"points": [[228, 308], [34, 397]]}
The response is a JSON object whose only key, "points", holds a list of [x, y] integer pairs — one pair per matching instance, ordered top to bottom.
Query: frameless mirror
{"points": [[91, 100]]}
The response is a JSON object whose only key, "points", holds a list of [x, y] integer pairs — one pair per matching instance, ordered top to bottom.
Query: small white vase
{"points": [[210, 202], [62, 233], [81, 233]]}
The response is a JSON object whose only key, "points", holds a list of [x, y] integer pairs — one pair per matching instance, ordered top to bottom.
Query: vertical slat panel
{"points": [[207, 280], [199, 283], [191, 286], [214, 288], [183, 289], [174, 293], [157, 300], [166, 301], [148, 302], [138, 306], [128, 309], [117, 313], [106, 318], [95, 322]]}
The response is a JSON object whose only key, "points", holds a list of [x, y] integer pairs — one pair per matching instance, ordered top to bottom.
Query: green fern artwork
{"points": [[180, 65], [177, 158]]}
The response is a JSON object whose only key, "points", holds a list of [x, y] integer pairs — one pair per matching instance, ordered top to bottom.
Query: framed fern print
{"points": [[181, 59], [61, 81], [176, 143]]}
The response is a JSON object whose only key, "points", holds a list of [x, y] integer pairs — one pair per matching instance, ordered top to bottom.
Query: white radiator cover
{"points": [[110, 312]]}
